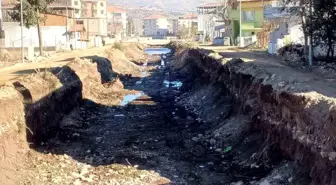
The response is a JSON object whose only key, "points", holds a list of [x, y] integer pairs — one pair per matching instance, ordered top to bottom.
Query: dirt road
{"points": [[56, 60], [307, 80]]}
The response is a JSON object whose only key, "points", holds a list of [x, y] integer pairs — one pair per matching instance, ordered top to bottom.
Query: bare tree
{"points": [[303, 13], [224, 15], [209, 25]]}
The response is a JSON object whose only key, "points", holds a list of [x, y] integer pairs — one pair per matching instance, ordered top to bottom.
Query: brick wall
{"points": [[56, 20]]}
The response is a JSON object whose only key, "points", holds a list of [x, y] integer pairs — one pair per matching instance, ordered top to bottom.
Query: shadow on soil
{"points": [[152, 132]]}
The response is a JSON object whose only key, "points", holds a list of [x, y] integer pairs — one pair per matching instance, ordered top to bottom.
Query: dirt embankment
{"points": [[32, 108], [295, 123]]}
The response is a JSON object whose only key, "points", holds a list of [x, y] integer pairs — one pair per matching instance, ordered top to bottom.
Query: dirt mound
{"points": [[179, 46], [135, 52], [5, 56], [120, 63], [115, 84], [93, 88], [32, 110], [12, 135]]}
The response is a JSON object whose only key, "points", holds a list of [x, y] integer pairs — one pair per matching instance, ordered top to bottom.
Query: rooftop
{"points": [[61, 3], [217, 4], [209, 5], [115, 9], [155, 16], [189, 16]]}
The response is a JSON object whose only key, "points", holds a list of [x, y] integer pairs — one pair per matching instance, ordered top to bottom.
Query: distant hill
{"points": [[166, 5]]}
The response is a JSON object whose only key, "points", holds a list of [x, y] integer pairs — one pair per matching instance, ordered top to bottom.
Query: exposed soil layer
{"points": [[292, 118], [196, 120], [194, 134]]}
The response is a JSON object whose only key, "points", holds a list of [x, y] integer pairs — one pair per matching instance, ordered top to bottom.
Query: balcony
{"points": [[250, 25]]}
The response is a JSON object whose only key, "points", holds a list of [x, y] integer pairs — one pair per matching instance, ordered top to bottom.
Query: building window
{"points": [[76, 2], [102, 4], [77, 11], [102, 11], [249, 15], [79, 21]]}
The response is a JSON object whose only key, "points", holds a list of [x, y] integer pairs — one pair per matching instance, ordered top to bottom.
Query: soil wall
{"points": [[32, 108], [301, 123]]}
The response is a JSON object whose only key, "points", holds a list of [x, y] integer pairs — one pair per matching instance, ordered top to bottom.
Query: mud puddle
{"points": [[127, 99]]}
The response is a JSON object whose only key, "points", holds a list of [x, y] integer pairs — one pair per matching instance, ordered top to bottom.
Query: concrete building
{"points": [[71, 8], [94, 8], [6, 9], [94, 17], [252, 17], [207, 19], [117, 21], [187, 21], [173, 25], [286, 25], [138, 26], [156, 26]]}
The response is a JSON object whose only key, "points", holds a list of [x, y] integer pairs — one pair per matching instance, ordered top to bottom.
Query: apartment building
{"points": [[70, 8], [94, 8], [93, 17], [187, 20], [117, 21], [173, 25], [138, 26], [156, 26]]}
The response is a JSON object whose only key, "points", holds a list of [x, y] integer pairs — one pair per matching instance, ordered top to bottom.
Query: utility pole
{"points": [[1, 19], [240, 23], [66, 27], [22, 51], [310, 57]]}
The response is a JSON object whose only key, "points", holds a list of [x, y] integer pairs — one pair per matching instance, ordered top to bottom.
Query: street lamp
{"points": [[240, 23]]}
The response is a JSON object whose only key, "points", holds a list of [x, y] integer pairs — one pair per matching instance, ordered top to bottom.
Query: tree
{"points": [[32, 10], [302, 11], [224, 15], [317, 18], [322, 25], [209, 26], [183, 32], [187, 32]]}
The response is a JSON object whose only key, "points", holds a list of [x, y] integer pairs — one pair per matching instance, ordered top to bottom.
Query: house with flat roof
{"points": [[252, 20], [117, 21], [156, 25]]}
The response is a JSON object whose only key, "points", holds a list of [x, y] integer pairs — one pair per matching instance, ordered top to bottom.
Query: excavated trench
{"points": [[181, 122]]}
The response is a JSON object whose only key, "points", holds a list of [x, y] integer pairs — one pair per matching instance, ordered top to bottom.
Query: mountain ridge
{"points": [[166, 5]]}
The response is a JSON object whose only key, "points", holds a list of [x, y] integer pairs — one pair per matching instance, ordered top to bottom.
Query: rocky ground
{"points": [[160, 126], [144, 142]]}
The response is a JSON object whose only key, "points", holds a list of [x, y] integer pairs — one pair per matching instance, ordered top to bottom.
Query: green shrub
{"points": [[119, 45]]}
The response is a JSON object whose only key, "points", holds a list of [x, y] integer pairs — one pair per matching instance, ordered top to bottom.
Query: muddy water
{"points": [[151, 51]]}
